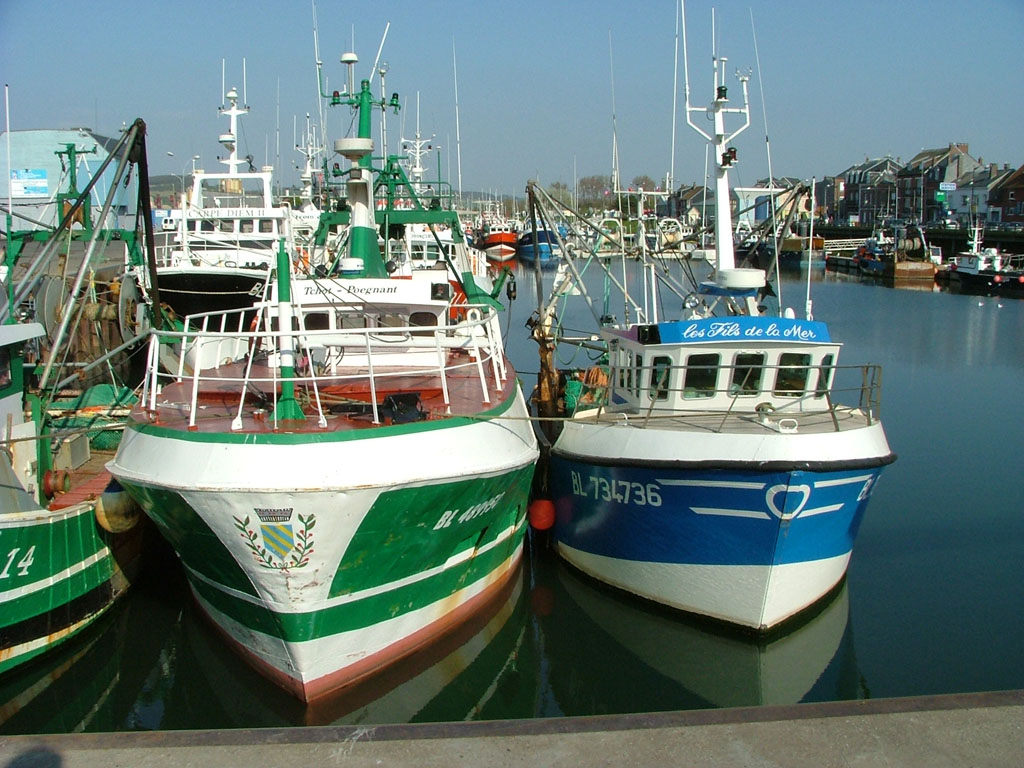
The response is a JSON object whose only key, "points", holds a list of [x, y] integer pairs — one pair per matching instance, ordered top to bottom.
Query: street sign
{"points": [[947, 186]]}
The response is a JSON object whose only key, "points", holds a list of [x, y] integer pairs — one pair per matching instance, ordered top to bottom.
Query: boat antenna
{"points": [[380, 49], [319, 66], [383, 70], [223, 89], [675, 99], [277, 135], [458, 135], [768, 152], [616, 186], [810, 253], [9, 277]]}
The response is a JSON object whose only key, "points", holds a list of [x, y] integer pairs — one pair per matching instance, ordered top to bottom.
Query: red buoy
{"points": [[542, 514]]}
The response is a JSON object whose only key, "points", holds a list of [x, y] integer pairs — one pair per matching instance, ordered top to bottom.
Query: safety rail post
{"points": [[303, 341], [497, 365], [442, 368], [480, 368], [273, 370], [153, 381], [373, 381], [663, 381], [876, 390], [865, 392], [193, 405], [236, 423]]}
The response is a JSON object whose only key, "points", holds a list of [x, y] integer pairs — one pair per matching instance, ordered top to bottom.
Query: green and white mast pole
{"points": [[359, 150], [363, 234], [288, 408]]}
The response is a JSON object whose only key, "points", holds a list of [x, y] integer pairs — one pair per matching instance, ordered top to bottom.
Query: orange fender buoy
{"points": [[542, 514]]}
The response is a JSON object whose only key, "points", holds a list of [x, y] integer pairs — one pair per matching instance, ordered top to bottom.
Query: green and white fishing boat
{"points": [[351, 480], [70, 542], [59, 568]]}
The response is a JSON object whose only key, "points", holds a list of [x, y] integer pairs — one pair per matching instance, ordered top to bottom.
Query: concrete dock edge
{"points": [[983, 729]]}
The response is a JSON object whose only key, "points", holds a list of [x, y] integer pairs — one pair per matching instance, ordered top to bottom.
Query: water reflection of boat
{"points": [[657, 660], [480, 671], [97, 683]]}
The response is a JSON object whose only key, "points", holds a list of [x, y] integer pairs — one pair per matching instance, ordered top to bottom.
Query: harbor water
{"points": [[933, 602]]}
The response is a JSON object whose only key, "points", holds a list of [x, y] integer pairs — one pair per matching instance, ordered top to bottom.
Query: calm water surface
{"points": [[933, 602]]}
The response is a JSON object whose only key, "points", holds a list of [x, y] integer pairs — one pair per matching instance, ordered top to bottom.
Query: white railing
{"points": [[850, 244], [326, 358], [657, 392]]}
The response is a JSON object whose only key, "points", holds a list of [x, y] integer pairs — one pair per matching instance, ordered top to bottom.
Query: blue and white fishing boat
{"points": [[540, 247], [708, 464]]}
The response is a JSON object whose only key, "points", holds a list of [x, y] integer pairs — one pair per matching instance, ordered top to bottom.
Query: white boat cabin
{"points": [[737, 364]]}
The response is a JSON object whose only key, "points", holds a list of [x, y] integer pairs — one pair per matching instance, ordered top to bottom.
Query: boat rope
{"points": [[204, 293], [119, 426]]}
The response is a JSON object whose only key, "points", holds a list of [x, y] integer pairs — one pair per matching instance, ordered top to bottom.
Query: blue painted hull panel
{"points": [[707, 517]]}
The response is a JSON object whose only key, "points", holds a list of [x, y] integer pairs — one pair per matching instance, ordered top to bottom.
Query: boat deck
{"points": [[346, 403], [87, 482]]}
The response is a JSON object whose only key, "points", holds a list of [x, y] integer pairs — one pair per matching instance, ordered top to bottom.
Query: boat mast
{"points": [[458, 137], [230, 139], [358, 150], [415, 152], [725, 155], [670, 182]]}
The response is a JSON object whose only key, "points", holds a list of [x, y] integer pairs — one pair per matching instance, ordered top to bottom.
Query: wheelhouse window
{"points": [[266, 225], [424, 319], [317, 321], [351, 321], [638, 368], [661, 370], [747, 372], [701, 376], [824, 376], [791, 378]]}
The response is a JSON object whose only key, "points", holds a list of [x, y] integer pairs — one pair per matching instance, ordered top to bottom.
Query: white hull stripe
{"points": [[841, 481], [713, 484], [820, 510], [754, 513], [36, 586], [352, 597], [48, 640]]}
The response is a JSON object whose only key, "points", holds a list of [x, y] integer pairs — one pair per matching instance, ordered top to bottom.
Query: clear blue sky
{"points": [[841, 80]]}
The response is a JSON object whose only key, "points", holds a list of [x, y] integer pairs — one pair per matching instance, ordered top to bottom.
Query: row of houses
{"points": [[937, 186], [944, 186]]}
